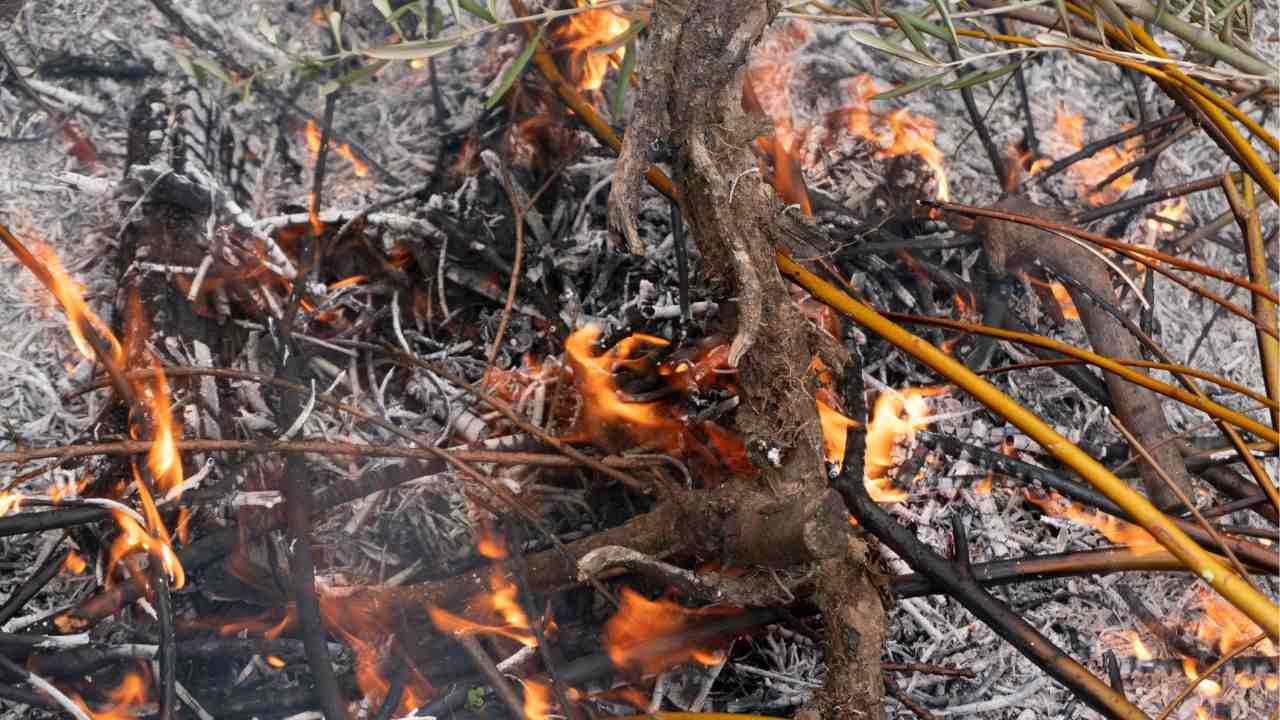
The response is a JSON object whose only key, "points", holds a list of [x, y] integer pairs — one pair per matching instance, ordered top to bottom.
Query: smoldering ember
{"points": [[633, 358]]}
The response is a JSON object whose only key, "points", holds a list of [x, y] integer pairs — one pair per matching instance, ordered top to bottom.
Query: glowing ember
{"points": [[589, 38], [313, 146], [1173, 211], [10, 502], [1114, 529], [74, 564], [648, 636], [276, 662], [126, 699]]}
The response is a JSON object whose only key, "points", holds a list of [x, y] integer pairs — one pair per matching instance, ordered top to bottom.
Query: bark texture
{"points": [[692, 93]]}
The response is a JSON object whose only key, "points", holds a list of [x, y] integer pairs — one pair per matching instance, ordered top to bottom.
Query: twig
{"points": [[1139, 448], [33, 585], [964, 588], [486, 667], [1173, 705]]}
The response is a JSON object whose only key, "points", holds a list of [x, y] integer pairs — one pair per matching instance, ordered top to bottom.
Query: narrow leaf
{"points": [[941, 5], [478, 10], [913, 35], [876, 43], [413, 50], [513, 71], [981, 76], [624, 79], [909, 87]]}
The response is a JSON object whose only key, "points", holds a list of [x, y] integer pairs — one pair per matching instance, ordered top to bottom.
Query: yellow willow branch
{"points": [[1256, 166], [1264, 310], [1081, 354], [1208, 407], [1239, 593]]}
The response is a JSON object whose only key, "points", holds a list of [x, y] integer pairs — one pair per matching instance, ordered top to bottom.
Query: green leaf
{"points": [[941, 5], [477, 10], [913, 35], [876, 43], [414, 49], [211, 68], [513, 71], [358, 74], [981, 76], [624, 79], [909, 87], [475, 699]]}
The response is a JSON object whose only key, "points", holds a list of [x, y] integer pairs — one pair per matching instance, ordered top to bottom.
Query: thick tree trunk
{"points": [[697, 59]]}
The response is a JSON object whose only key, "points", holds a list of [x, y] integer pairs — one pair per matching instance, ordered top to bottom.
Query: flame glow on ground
{"points": [[774, 68]]}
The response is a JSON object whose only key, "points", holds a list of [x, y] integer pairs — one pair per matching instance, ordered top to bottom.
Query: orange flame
{"points": [[588, 37], [312, 131], [900, 133], [1069, 137], [1172, 210], [70, 295], [606, 419], [10, 502], [1114, 529], [74, 563], [502, 601], [1226, 628], [646, 636], [1207, 688], [126, 699], [537, 700]]}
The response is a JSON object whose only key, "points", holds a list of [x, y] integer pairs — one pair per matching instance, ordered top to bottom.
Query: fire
{"points": [[588, 37], [766, 91], [899, 133], [1068, 137], [358, 166], [1172, 210], [70, 295], [1061, 295], [606, 417], [895, 419], [10, 502], [1114, 529], [133, 539], [74, 563], [502, 601], [368, 627], [1226, 628], [647, 636], [1139, 648], [276, 662], [1206, 688], [126, 699], [537, 700]]}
